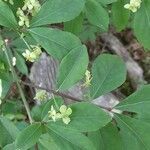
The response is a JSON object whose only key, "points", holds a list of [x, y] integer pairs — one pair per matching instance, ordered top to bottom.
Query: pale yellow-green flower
{"points": [[10, 1], [134, 5], [30, 8], [23, 19], [36, 49], [34, 55], [29, 56], [88, 78], [41, 95], [65, 113], [53, 114]]}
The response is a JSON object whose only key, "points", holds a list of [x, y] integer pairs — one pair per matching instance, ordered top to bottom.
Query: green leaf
{"points": [[106, 1], [16, 5], [57, 11], [97, 15], [120, 15], [7, 17], [142, 24], [75, 25], [90, 35], [57, 43], [19, 44], [20, 64], [72, 68], [108, 72], [4, 74], [6, 79], [4, 87], [138, 102], [12, 107], [36, 112], [87, 117], [21, 125], [8, 132], [136, 132], [69, 135], [29, 136], [107, 138], [128, 139], [48, 143], [56, 143], [9, 147]]}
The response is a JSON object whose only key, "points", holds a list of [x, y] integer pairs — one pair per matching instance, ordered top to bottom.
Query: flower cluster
{"points": [[10, 1], [134, 5], [31, 7], [23, 19], [33, 55], [88, 78], [41, 95], [63, 114]]}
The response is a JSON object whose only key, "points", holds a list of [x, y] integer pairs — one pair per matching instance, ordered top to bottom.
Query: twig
{"points": [[51, 91], [60, 94], [36, 146]]}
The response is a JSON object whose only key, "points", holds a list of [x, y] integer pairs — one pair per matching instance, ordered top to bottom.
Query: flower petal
{"points": [[63, 109], [69, 111], [66, 120]]}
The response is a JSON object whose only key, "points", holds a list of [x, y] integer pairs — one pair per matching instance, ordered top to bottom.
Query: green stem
{"points": [[26, 43], [18, 85]]}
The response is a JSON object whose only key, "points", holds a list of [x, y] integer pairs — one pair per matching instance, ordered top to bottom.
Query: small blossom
{"points": [[10, 1], [134, 5], [30, 8], [19, 12], [23, 19], [36, 49], [34, 55], [29, 56], [88, 78], [41, 95], [65, 113], [53, 114], [66, 120]]}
